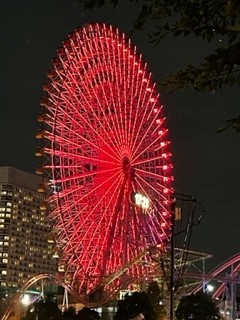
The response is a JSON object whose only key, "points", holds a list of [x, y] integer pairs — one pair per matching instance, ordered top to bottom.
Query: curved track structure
{"points": [[105, 160], [225, 274], [58, 280], [27, 285]]}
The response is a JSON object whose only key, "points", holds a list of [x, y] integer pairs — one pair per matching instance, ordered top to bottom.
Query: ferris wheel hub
{"points": [[126, 165]]}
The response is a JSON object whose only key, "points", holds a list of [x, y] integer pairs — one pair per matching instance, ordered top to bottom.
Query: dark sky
{"points": [[205, 165]]}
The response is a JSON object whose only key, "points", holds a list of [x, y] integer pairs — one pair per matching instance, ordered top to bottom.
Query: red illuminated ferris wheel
{"points": [[106, 160]]}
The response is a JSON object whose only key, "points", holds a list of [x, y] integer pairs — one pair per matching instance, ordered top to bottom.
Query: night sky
{"points": [[206, 165]]}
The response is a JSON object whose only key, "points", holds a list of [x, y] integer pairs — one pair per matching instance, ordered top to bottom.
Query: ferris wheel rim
{"points": [[105, 141]]}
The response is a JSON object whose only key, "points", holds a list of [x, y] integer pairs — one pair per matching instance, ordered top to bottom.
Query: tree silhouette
{"points": [[215, 21], [155, 296], [133, 305], [199, 306], [45, 309], [69, 314], [88, 314]]}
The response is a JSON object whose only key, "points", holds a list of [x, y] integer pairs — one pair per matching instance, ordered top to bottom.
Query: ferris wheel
{"points": [[105, 158]]}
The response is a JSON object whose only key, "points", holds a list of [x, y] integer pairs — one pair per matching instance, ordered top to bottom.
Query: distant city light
{"points": [[210, 287], [26, 299]]}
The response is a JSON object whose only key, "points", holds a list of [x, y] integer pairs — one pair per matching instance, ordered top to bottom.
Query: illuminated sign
{"points": [[140, 200]]}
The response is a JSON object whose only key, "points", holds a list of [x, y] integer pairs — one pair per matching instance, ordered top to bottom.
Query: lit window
{"points": [[5, 261], [4, 271]]}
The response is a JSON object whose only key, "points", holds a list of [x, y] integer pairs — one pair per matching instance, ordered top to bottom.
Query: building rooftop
{"points": [[18, 177]]}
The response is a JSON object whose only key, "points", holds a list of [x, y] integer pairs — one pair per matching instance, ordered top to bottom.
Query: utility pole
{"points": [[172, 264]]}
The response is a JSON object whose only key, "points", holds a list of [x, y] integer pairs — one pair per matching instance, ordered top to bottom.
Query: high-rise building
{"points": [[24, 247]]}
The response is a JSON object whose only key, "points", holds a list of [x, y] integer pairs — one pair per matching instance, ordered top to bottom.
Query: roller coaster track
{"points": [[225, 273], [59, 281]]}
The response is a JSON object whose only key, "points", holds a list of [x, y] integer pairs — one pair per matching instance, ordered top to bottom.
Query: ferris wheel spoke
{"points": [[106, 67], [117, 67], [92, 85], [114, 87], [129, 93], [124, 97], [101, 113], [143, 113], [134, 118], [75, 133], [148, 134], [79, 137], [153, 146], [79, 158], [157, 162], [147, 173], [79, 177], [117, 180], [145, 184], [148, 185], [92, 191], [161, 197], [96, 238]]}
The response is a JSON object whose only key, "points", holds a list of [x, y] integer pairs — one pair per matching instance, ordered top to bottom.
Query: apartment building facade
{"points": [[24, 247]]}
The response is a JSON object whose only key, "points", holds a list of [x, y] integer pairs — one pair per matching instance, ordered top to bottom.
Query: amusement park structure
{"points": [[105, 162], [107, 175], [224, 280]]}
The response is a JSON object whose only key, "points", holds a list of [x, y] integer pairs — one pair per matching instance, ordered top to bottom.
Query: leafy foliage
{"points": [[90, 4], [209, 20], [219, 70], [155, 296], [148, 303], [133, 305], [198, 306], [46, 309], [69, 314], [88, 314]]}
